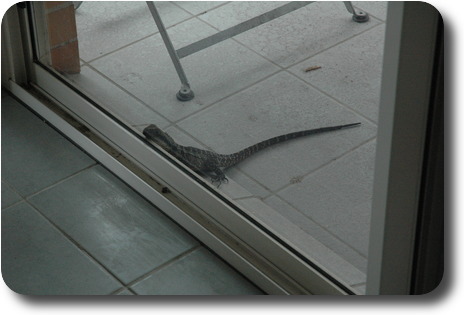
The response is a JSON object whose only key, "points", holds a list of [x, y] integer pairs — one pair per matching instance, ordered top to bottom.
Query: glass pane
{"points": [[311, 68]]}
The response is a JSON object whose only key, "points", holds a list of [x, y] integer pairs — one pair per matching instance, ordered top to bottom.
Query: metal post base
{"points": [[359, 17], [185, 94]]}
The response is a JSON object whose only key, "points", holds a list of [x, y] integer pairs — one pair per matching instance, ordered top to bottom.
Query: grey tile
{"points": [[199, 7], [377, 9], [234, 13], [106, 26], [294, 36], [146, 71], [351, 71], [116, 101], [286, 104], [34, 155], [248, 183], [234, 190], [9, 196], [338, 197], [113, 223], [316, 231], [304, 242], [39, 260], [198, 273], [125, 292]]}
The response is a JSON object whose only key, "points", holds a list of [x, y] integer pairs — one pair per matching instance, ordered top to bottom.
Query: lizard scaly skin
{"points": [[212, 163]]}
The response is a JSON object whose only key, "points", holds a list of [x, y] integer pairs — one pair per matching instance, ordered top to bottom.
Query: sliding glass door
{"points": [[294, 215]]}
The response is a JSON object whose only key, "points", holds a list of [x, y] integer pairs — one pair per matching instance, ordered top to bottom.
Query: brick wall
{"points": [[62, 32]]}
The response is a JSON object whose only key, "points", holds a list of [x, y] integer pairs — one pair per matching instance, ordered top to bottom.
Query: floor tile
{"points": [[199, 7], [106, 26], [296, 35], [146, 71], [351, 71], [119, 103], [285, 105], [34, 155], [9, 196], [338, 197], [119, 228], [38, 260], [198, 273]]}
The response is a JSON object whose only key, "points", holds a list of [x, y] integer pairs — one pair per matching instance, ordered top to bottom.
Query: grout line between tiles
{"points": [[203, 12], [370, 14], [192, 16], [137, 41], [334, 45], [118, 49], [127, 92], [225, 97], [333, 98], [312, 172], [60, 181], [5, 182], [267, 189], [275, 193], [14, 204], [322, 227], [76, 244], [171, 261], [163, 265], [117, 291]]}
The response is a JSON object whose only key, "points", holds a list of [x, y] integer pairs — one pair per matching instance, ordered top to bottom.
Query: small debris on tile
{"points": [[312, 68], [296, 179]]}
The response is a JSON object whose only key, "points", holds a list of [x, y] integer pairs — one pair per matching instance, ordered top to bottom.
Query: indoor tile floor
{"points": [[250, 88], [71, 227]]}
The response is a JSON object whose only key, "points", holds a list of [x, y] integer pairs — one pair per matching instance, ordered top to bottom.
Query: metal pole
{"points": [[240, 28], [185, 93]]}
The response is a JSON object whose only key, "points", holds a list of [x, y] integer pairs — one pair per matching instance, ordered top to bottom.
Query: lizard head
{"points": [[158, 136]]}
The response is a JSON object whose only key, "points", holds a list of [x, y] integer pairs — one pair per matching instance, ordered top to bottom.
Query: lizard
{"points": [[206, 162]]}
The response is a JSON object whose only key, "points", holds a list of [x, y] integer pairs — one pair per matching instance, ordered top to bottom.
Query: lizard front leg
{"points": [[218, 177]]}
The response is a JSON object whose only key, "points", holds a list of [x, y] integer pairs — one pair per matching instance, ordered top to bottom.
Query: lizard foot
{"points": [[219, 179]]}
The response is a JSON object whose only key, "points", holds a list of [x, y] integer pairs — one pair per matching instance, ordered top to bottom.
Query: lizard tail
{"points": [[245, 153]]}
